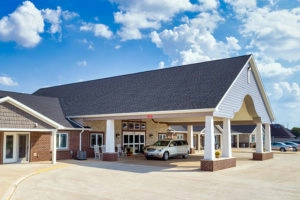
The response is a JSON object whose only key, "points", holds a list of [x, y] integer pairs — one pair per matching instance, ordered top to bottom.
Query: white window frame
{"points": [[162, 136], [180, 136], [59, 138], [96, 139]]}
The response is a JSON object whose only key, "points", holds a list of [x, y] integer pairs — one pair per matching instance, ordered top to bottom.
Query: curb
{"points": [[10, 192]]}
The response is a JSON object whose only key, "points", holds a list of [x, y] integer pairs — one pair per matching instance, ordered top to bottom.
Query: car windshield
{"points": [[161, 143]]}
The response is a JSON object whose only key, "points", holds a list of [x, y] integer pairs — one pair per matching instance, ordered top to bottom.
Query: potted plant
{"points": [[218, 154]]}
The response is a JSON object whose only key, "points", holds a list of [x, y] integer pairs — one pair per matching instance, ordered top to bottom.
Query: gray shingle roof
{"points": [[194, 86], [49, 107], [279, 131]]}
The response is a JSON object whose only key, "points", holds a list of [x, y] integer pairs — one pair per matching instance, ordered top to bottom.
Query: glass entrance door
{"points": [[134, 140], [16, 147], [10, 148], [23, 148]]}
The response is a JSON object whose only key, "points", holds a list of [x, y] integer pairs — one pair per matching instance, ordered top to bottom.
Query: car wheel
{"points": [[282, 149], [294, 149], [186, 155], [165, 156], [148, 158]]}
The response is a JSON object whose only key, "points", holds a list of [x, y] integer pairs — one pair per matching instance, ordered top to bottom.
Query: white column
{"points": [[110, 136], [190, 136], [259, 138], [268, 138], [226, 139], [238, 141], [199, 142], [209, 146], [54, 147]]}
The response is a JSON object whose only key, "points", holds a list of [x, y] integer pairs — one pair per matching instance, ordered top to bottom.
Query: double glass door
{"points": [[135, 141], [16, 147]]}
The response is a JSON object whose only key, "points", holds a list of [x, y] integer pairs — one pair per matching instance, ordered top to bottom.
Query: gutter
{"points": [[80, 134]]}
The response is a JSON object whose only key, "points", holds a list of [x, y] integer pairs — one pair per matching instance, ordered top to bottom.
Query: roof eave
{"points": [[31, 112], [148, 114]]}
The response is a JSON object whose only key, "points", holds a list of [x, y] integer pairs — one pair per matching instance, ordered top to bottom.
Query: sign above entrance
{"points": [[150, 116]]}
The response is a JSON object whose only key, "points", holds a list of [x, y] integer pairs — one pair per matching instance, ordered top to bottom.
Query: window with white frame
{"points": [[162, 136], [180, 136], [96, 139], [62, 140]]}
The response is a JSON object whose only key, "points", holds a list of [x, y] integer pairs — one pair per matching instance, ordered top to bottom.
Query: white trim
{"points": [[31, 111], [145, 115], [25, 130]]}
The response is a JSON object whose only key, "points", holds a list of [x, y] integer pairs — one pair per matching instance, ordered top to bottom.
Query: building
{"points": [[135, 110]]}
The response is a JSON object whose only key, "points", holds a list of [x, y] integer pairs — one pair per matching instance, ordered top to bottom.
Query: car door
{"points": [[173, 148]]}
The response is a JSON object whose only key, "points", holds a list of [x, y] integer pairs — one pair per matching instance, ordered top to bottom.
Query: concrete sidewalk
{"points": [[138, 178]]}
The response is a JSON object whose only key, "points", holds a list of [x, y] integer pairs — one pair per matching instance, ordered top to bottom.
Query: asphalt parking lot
{"points": [[138, 178]]}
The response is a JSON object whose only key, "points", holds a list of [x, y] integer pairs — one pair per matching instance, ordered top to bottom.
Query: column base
{"points": [[192, 151], [110, 156], [263, 156], [218, 164]]}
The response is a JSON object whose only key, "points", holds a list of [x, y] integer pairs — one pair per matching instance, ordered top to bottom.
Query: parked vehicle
{"points": [[295, 141], [294, 145], [281, 146], [165, 149]]}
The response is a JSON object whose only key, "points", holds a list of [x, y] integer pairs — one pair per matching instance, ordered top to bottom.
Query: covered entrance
{"points": [[135, 141], [16, 147]]}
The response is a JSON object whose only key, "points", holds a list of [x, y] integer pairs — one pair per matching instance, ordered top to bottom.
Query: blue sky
{"points": [[52, 42]]}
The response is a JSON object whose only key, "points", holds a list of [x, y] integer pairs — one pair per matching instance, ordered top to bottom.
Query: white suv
{"points": [[167, 148]]}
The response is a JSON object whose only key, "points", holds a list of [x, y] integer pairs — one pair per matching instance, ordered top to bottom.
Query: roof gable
{"points": [[194, 86], [44, 108]]}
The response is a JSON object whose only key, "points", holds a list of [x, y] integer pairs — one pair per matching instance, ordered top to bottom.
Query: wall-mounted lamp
{"points": [[35, 125], [117, 135], [151, 135]]}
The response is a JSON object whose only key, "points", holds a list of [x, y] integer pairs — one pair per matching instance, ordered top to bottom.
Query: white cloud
{"points": [[137, 15], [54, 17], [23, 26], [100, 30], [272, 31], [194, 41], [90, 44], [117, 46], [82, 63], [161, 65], [7, 81], [290, 93]]}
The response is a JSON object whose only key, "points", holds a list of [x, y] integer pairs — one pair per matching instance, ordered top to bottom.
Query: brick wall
{"points": [[40, 143]]}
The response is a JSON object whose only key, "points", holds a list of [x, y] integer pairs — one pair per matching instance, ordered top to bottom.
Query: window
{"points": [[161, 136], [180, 136], [96, 139], [62, 140]]}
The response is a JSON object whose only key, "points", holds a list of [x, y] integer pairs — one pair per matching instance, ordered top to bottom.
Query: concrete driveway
{"points": [[137, 178]]}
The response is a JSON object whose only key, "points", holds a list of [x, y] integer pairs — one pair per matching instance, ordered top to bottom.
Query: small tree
{"points": [[296, 131]]}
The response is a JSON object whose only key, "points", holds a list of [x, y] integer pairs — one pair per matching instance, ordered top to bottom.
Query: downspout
{"points": [[80, 134]]}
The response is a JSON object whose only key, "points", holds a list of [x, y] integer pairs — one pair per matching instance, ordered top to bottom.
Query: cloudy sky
{"points": [[52, 42]]}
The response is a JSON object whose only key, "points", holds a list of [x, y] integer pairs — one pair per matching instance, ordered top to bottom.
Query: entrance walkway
{"points": [[137, 178]]}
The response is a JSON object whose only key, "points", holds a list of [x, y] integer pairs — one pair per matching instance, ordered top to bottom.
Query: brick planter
{"points": [[110, 156], [263, 156], [218, 164]]}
